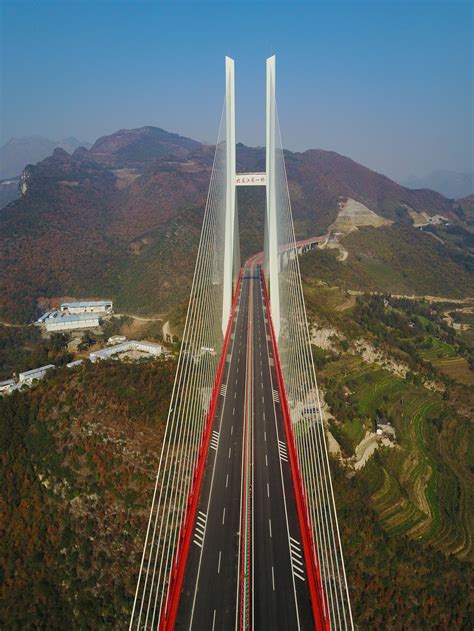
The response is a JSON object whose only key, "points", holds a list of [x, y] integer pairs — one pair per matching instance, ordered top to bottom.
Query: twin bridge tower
{"points": [[267, 179], [242, 531]]}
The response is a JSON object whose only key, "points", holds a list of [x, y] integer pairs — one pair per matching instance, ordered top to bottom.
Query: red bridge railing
{"points": [[318, 600], [170, 611]]}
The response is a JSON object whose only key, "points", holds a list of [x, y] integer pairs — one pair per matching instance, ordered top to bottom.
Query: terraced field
{"points": [[438, 350], [444, 357], [456, 368], [422, 487]]}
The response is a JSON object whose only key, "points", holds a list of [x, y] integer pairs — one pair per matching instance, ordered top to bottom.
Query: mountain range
{"points": [[18, 152], [450, 183], [122, 219]]}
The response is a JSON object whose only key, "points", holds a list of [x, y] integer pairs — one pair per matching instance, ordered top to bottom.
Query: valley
{"points": [[393, 347]]}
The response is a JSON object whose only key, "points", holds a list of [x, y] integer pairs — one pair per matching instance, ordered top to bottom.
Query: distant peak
{"points": [[60, 152]]}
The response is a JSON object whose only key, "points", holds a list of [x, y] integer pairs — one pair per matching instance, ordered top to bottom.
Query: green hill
{"points": [[396, 259]]}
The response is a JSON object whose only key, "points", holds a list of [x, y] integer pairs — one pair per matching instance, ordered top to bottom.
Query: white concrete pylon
{"points": [[271, 228], [229, 234]]}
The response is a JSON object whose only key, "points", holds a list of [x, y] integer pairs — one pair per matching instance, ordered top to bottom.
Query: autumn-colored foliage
{"points": [[78, 455]]}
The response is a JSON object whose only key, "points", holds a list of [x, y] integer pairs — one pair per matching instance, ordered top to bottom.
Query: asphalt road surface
{"points": [[279, 595]]}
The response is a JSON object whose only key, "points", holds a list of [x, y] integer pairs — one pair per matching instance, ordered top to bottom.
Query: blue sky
{"points": [[388, 83]]}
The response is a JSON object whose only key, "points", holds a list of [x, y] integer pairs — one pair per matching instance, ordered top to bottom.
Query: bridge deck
{"points": [[211, 595]]}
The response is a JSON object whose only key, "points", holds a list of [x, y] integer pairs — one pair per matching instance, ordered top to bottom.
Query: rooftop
{"points": [[87, 303], [44, 317], [64, 317], [147, 347], [77, 362], [27, 373], [7, 382]]}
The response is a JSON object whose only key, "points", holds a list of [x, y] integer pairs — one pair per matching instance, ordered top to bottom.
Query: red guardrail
{"points": [[318, 600], [168, 617]]}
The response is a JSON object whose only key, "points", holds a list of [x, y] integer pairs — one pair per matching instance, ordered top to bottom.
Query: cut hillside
{"points": [[353, 215]]}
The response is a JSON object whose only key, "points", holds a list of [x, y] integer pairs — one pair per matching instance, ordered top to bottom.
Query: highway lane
{"points": [[212, 586], [210, 595], [281, 598]]}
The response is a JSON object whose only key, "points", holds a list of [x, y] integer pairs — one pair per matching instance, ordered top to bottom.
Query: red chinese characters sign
{"points": [[250, 179]]}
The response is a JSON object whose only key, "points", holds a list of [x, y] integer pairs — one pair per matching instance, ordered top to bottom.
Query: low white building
{"points": [[88, 306], [44, 317], [61, 321], [116, 339], [147, 348], [77, 362], [27, 377], [7, 385]]}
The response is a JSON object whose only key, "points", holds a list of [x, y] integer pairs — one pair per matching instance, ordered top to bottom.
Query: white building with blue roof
{"points": [[88, 306], [63, 321]]}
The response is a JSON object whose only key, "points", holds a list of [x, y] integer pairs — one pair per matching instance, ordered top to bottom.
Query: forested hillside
{"points": [[122, 220], [395, 259], [78, 458]]}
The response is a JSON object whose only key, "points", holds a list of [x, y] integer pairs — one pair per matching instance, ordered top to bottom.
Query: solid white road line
{"points": [[270, 363], [208, 505]]}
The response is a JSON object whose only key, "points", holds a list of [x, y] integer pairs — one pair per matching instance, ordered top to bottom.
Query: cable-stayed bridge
{"points": [[243, 530]]}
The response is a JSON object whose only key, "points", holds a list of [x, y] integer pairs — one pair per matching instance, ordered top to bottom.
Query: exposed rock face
{"points": [[23, 186], [354, 214]]}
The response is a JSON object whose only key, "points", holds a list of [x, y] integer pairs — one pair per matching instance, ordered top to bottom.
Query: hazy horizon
{"points": [[397, 99]]}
